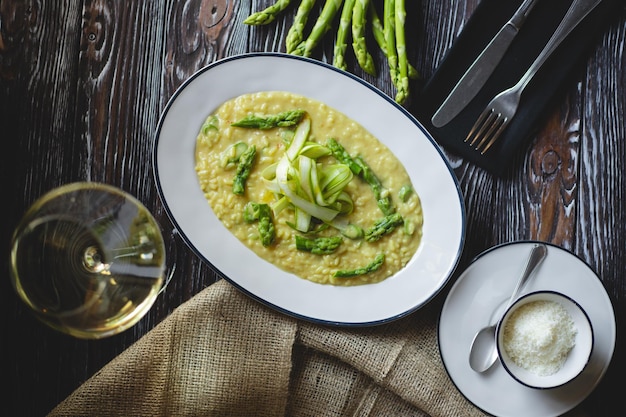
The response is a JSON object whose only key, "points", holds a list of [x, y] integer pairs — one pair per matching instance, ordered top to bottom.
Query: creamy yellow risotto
{"points": [[308, 189]]}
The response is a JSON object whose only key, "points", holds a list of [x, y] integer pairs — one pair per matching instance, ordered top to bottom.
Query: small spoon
{"points": [[483, 352]]}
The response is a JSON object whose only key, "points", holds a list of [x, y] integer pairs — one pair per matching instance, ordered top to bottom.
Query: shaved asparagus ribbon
{"points": [[313, 189]]}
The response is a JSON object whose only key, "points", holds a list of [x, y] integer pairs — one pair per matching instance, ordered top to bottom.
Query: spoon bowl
{"points": [[483, 351]]}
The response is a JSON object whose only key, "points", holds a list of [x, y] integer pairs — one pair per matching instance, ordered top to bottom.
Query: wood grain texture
{"points": [[82, 87], [601, 217]]}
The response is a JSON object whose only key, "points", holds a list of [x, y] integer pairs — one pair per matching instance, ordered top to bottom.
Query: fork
{"points": [[499, 112]]}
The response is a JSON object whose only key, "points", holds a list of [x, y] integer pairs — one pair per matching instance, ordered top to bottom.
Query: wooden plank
{"points": [[197, 34], [37, 65], [38, 72], [93, 107], [601, 216]]}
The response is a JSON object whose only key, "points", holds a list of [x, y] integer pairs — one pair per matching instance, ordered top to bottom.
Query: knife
{"points": [[480, 70]]}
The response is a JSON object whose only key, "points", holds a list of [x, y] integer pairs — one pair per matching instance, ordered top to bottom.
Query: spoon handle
{"points": [[537, 255]]}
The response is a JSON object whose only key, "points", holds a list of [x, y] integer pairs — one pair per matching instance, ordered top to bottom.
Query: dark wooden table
{"points": [[82, 86]]}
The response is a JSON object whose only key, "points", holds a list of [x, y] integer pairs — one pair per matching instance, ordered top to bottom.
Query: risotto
{"points": [[308, 189]]}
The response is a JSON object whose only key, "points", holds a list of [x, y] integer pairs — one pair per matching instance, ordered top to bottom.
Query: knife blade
{"points": [[477, 74]]}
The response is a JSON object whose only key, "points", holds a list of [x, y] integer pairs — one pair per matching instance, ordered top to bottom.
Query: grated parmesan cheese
{"points": [[539, 335]]}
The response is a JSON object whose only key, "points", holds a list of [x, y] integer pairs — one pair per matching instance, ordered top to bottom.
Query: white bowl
{"points": [[425, 275], [539, 338]]}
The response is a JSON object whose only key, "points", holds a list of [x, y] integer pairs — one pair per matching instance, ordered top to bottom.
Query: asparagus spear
{"points": [[267, 15], [359, 22], [322, 25], [389, 27], [296, 32], [378, 32], [342, 34], [402, 83], [284, 119], [211, 124], [231, 155], [343, 156], [244, 166], [359, 167], [405, 192], [382, 196], [252, 211], [263, 214], [383, 226], [351, 231], [319, 245], [371, 267]]}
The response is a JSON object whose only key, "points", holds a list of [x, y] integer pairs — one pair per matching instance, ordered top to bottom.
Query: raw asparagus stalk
{"points": [[267, 15], [359, 23], [322, 25], [389, 28], [296, 32], [378, 32], [341, 42], [402, 83], [284, 119], [244, 166], [383, 226], [319, 245], [371, 267]]}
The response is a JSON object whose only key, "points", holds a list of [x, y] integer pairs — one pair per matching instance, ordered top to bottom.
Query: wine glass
{"points": [[88, 259]]}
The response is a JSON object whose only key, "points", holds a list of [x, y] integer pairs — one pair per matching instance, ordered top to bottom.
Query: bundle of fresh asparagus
{"points": [[355, 15]]}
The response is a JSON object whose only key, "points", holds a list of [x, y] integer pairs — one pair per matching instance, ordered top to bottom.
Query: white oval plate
{"points": [[178, 187], [480, 295]]}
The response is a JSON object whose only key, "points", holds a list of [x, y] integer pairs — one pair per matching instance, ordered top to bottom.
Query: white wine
{"points": [[88, 260]]}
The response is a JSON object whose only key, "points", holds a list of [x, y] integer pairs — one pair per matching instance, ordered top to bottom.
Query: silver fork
{"points": [[499, 112]]}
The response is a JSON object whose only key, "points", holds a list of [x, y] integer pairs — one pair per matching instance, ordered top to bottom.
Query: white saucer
{"points": [[485, 286]]}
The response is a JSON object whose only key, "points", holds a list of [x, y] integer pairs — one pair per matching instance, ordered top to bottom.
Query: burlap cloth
{"points": [[224, 354]]}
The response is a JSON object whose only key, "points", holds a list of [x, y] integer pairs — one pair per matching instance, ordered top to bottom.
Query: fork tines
{"points": [[486, 130]]}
